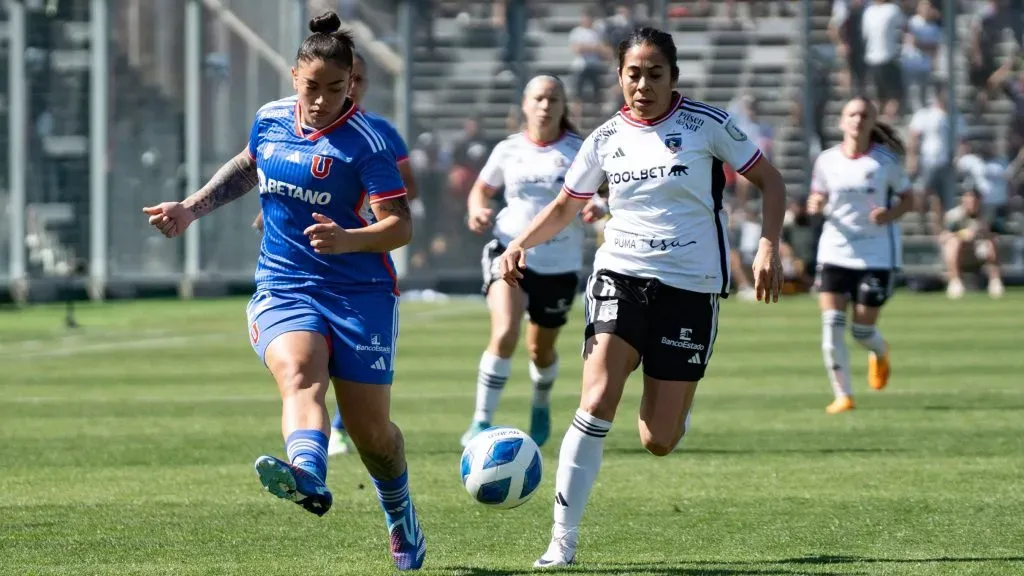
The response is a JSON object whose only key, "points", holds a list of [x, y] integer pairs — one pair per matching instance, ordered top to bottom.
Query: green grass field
{"points": [[128, 447]]}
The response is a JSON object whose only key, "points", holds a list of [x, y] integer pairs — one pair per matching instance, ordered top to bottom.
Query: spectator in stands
{"points": [[882, 26], [986, 31], [846, 32], [920, 47], [590, 64], [1009, 79], [469, 154], [929, 156], [428, 166], [989, 174], [967, 243], [798, 249]]}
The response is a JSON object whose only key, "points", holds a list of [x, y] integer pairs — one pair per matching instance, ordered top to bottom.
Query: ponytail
{"points": [[566, 125], [885, 135]]}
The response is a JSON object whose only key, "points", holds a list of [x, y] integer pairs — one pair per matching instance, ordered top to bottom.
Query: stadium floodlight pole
{"points": [[661, 13], [952, 102], [808, 104], [99, 127], [193, 133], [16, 153]]}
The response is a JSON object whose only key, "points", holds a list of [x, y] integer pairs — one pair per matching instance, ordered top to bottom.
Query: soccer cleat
{"points": [[995, 288], [878, 369], [840, 404], [540, 424], [475, 428], [338, 442], [295, 484], [408, 546], [561, 551]]}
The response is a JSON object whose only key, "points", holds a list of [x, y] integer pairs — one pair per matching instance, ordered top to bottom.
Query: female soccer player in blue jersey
{"points": [[530, 166], [326, 302], [338, 443]]}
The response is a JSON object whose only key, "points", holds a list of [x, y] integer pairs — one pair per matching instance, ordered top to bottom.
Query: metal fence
{"points": [[109, 105]]}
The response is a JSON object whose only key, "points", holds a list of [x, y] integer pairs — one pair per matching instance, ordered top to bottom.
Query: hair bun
{"points": [[326, 23]]}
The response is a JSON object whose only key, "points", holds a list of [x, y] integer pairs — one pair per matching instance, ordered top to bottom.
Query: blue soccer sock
{"points": [[337, 423], [307, 449], [392, 493]]}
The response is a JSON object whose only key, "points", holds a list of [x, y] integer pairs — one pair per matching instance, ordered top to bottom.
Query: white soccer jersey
{"points": [[532, 174], [665, 181], [855, 187]]}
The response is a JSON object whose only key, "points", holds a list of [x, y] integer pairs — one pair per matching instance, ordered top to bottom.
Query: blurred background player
{"points": [[530, 166], [861, 188], [658, 276], [326, 303], [339, 442]]}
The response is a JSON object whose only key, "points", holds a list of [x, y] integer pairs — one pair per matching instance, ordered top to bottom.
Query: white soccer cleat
{"points": [[995, 288], [955, 289], [338, 442], [561, 551]]}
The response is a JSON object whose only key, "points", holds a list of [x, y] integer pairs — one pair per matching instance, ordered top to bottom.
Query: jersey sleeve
{"points": [[254, 137], [730, 143], [493, 173], [585, 174], [380, 178], [899, 182], [818, 183]]}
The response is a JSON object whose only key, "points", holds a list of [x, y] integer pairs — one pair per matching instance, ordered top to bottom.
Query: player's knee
{"points": [[862, 332], [504, 340], [542, 355], [297, 376], [597, 401], [661, 444]]}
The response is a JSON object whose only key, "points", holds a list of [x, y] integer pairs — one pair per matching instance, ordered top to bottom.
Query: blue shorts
{"points": [[361, 328]]}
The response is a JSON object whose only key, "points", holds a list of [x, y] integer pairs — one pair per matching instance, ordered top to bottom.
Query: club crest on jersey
{"points": [[674, 142], [268, 150], [321, 166], [254, 333]]}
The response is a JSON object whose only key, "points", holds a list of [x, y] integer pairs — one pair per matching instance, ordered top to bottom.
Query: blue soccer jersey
{"points": [[390, 134], [337, 171]]}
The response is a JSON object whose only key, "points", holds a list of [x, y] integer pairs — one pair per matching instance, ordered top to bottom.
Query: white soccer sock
{"points": [[868, 336], [833, 348], [543, 380], [490, 381], [579, 460]]}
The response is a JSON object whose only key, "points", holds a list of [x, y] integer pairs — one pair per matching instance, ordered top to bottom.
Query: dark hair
{"points": [[645, 35], [327, 42]]}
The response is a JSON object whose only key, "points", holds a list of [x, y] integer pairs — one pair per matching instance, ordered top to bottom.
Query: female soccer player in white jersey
{"points": [[531, 167], [861, 188], [654, 294], [326, 303]]}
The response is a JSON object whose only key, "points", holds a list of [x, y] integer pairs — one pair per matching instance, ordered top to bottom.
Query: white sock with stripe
{"points": [[868, 336], [833, 348], [490, 381], [579, 460]]}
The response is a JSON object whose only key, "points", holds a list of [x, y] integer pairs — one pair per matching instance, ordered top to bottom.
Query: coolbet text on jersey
{"points": [[352, 299]]}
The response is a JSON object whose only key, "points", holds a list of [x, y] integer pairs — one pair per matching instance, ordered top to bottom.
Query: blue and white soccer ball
{"points": [[501, 467]]}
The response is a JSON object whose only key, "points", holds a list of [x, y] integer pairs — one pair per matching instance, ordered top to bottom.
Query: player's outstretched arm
{"points": [[232, 181], [551, 220], [768, 276]]}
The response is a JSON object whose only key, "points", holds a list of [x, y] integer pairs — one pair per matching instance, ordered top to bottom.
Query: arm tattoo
{"points": [[233, 180], [395, 207]]}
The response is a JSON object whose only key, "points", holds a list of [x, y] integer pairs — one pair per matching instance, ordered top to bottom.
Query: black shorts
{"points": [[888, 80], [868, 287], [548, 296], [673, 330]]}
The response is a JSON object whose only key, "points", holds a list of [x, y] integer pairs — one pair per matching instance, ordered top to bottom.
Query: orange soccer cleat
{"points": [[878, 369], [840, 404]]}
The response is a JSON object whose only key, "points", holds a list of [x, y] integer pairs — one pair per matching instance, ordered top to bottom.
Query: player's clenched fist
{"points": [[170, 218], [511, 264]]}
